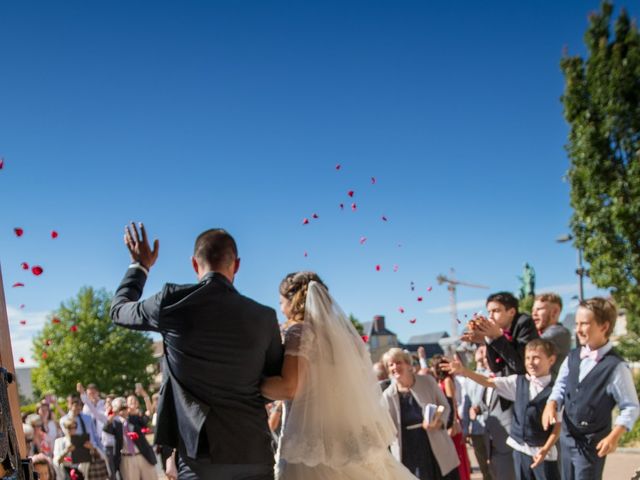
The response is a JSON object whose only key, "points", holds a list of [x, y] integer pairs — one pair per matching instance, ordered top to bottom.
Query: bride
{"points": [[334, 425]]}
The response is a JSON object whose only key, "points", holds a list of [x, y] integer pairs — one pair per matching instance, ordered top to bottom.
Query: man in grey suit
{"points": [[546, 314], [218, 347]]}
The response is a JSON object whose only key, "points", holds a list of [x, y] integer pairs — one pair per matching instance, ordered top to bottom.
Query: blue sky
{"points": [[191, 115]]}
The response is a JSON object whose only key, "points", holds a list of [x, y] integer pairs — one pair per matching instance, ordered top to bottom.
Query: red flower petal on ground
{"points": [[338, 166], [351, 193], [353, 207], [315, 215], [384, 218], [305, 221], [18, 231], [54, 234], [363, 240], [24, 265], [378, 268], [37, 270], [18, 284], [419, 299], [401, 310], [55, 320], [413, 320], [23, 322], [74, 328], [44, 355], [21, 359]]}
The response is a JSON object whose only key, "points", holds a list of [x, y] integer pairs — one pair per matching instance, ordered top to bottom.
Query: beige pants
{"points": [[136, 467]]}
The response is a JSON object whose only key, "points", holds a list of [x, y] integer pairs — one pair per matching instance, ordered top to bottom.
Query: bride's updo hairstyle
{"points": [[294, 288]]}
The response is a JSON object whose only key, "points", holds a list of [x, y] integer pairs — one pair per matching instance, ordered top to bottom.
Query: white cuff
{"points": [[139, 266], [423, 363]]}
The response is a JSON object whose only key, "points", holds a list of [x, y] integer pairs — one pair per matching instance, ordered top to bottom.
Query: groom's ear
{"points": [[236, 266], [196, 267]]}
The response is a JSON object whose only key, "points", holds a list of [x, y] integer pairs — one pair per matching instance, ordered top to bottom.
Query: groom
{"points": [[218, 345]]}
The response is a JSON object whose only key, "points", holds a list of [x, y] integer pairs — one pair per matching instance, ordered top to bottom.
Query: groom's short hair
{"points": [[215, 248]]}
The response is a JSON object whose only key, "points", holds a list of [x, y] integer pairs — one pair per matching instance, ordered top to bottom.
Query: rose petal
{"points": [[1, 163], [338, 166], [373, 180], [351, 193], [342, 206], [353, 207], [315, 215], [384, 219], [305, 221], [18, 231], [54, 234], [363, 240], [306, 254], [24, 265], [378, 267], [395, 268], [37, 270], [18, 284], [429, 289], [419, 299], [22, 305], [401, 310], [55, 320], [413, 320], [23, 322], [74, 328], [365, 338], [48, 342], [44, 355], [21, 359], [145, 430], [133, 435], [67, 459]]}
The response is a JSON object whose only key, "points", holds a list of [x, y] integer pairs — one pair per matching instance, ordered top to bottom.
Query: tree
{"points": [[602, 106], [356, 324], [81, 344]]}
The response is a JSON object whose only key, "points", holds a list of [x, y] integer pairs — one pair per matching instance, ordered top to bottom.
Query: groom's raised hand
{"points": [[138, 245]]}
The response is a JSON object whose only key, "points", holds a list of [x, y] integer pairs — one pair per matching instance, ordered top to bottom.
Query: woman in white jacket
{"points": [[425, 449]]}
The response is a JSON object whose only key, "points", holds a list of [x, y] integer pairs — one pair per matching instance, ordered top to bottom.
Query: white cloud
{"points": [[22, 335]]}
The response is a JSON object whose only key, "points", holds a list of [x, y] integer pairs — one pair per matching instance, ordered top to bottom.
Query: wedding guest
{"points": [[546, 315], [380, 371], [592, 380], [448, 387], [85, 422], [49, 426], [39, 439], [64, 447], [425, 449], [43, 467]]}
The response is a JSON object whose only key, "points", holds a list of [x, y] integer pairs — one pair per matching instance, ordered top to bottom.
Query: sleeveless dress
{"points": [[380, 465], [464, 469]]}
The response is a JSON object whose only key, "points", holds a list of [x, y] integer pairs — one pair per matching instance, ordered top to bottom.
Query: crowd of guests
{"points": [[96, 438]]}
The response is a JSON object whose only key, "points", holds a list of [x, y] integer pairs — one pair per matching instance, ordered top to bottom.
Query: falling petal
{"points": [[1, 163], [338, 166], [373, 180], [351, 193], [342, 206], [353, 207], [315, 215], [384, 218], [305, 221], [18, 231], [54, 234], [363, 240], [306, 254], [24, 265], [378, 268], [395, 268], [37, 270], [18, 284], [429, 289], [419, 299], [22, 305], [401, 310], [55, 320], [413, 320], [458, 320], [23, 322], [74, 328], [365, 338], [48, 342], [44, 355], [21, 359], [145, 430], [133, 435], [67, 459]]}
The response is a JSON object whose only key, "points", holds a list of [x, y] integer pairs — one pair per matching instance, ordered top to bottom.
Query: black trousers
{"points": [[203, 469]]}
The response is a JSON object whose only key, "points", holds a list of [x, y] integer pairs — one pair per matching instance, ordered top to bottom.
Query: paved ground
{"points": [[620, 465]]}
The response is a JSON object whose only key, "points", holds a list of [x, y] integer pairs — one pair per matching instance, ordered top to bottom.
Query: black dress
{"points": [[417, 455]]}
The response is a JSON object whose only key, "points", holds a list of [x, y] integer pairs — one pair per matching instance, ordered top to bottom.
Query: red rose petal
{"points": [[1, 163], [338, 166], [373, 180], [351, 193], [353, 207], [315, 215], [384, 219], [305, 221], [18, 231], [54, 234], [363, 240], [306, 254], [24, 265], [378, 267], [395, 268], [37, 270], [18, 284], [429, 289], [419, 299], [401, 310], [55, 320], [413, 320], [23, 322], [74, 328], [365, 338], [48, 342], [44, 355], [21, 359], [145, 430], [133, 435], [67, 459]]}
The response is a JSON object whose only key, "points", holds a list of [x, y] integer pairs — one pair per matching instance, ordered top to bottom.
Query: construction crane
{"points": [[452, 283]]}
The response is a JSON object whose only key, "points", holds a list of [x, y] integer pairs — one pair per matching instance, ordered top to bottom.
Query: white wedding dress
{"points": [[335, 428]]}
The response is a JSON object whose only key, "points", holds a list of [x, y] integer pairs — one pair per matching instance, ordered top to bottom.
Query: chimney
{"points": [[378, 323]]}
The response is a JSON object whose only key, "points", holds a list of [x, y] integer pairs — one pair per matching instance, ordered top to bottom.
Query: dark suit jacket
{"points": [[218, 347], [507, 356], [115, 428]]}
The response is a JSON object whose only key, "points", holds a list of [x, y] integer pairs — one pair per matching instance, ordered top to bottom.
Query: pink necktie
{"points": [[586, 352], [535, 381]]}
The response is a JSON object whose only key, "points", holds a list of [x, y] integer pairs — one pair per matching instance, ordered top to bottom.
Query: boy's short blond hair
{"points": [[549, 297], [604, 310], [541, 344]]}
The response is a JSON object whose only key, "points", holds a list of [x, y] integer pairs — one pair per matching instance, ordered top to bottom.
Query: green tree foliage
{"points": [[602, 105], [356, 324], [81, 344]]}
